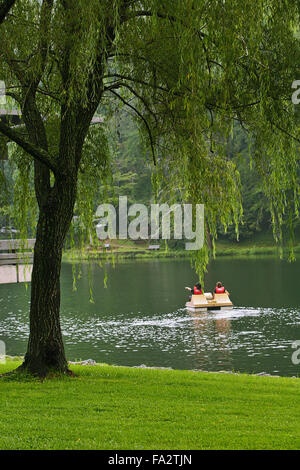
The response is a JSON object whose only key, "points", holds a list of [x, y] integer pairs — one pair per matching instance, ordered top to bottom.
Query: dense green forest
{"points": [[132, 170], [133, 173]]}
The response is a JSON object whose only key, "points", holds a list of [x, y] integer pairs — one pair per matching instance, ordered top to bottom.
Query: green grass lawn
{"points": [[124, 408]]}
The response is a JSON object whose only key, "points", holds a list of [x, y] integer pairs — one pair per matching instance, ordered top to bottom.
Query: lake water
{"points": [[140, 317]]}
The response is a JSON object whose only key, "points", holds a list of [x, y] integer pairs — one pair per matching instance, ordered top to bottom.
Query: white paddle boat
{"points": [[208, 301]]}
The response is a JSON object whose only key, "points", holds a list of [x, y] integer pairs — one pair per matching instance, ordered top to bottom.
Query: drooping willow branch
{"points": [[118, 85], [143, 119]]}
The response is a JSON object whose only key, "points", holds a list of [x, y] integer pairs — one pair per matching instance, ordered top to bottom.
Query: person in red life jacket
{"points": [[220, 289], [196, 290]]}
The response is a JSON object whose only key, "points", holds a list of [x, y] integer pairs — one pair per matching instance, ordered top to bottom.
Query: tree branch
{"points": [[164, 16], [142, 82], [118, 85], [143, 119], [284, 131], [37, 153]]}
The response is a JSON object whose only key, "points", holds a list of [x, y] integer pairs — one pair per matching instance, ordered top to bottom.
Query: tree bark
{"points": [[45, 350]]}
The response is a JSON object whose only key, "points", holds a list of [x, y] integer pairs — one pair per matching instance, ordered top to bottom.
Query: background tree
{"points": [[186, 70]]}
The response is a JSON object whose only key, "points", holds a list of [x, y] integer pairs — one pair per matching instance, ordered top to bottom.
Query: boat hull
{"points": [[205, 302], [191, 308]]}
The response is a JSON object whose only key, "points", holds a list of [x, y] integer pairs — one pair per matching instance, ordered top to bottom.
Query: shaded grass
{"points": [[124, 408]]}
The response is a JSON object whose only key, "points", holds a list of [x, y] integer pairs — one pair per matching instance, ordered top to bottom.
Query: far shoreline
{"points": [[222, 250]]}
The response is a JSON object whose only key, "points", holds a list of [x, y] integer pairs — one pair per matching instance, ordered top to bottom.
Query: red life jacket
{"points": [[220, 290], [197, 291]]}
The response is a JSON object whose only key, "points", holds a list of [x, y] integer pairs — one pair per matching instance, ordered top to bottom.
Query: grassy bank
{"points": [[260, 245], [222, 249], [123, 255], [124, 408]]}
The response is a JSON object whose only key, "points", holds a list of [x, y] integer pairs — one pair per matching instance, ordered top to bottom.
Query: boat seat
{"points": [[222, 298], [198, 300]]}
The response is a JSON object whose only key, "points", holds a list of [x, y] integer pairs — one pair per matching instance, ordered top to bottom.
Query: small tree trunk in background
{"points": [[208, 238], [45, 350]]}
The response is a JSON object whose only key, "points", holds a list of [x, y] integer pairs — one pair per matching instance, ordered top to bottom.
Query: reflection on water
{"points": [[140, 318]]}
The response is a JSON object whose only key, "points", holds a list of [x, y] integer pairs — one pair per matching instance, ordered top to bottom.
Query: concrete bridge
{"points": [[16, 260]]}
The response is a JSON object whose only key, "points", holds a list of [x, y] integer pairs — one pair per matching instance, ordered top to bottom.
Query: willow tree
{"points": [[186, 69]]}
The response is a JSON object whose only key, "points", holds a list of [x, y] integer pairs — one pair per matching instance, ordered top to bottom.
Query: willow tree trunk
{"points": [[45, 350]]}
